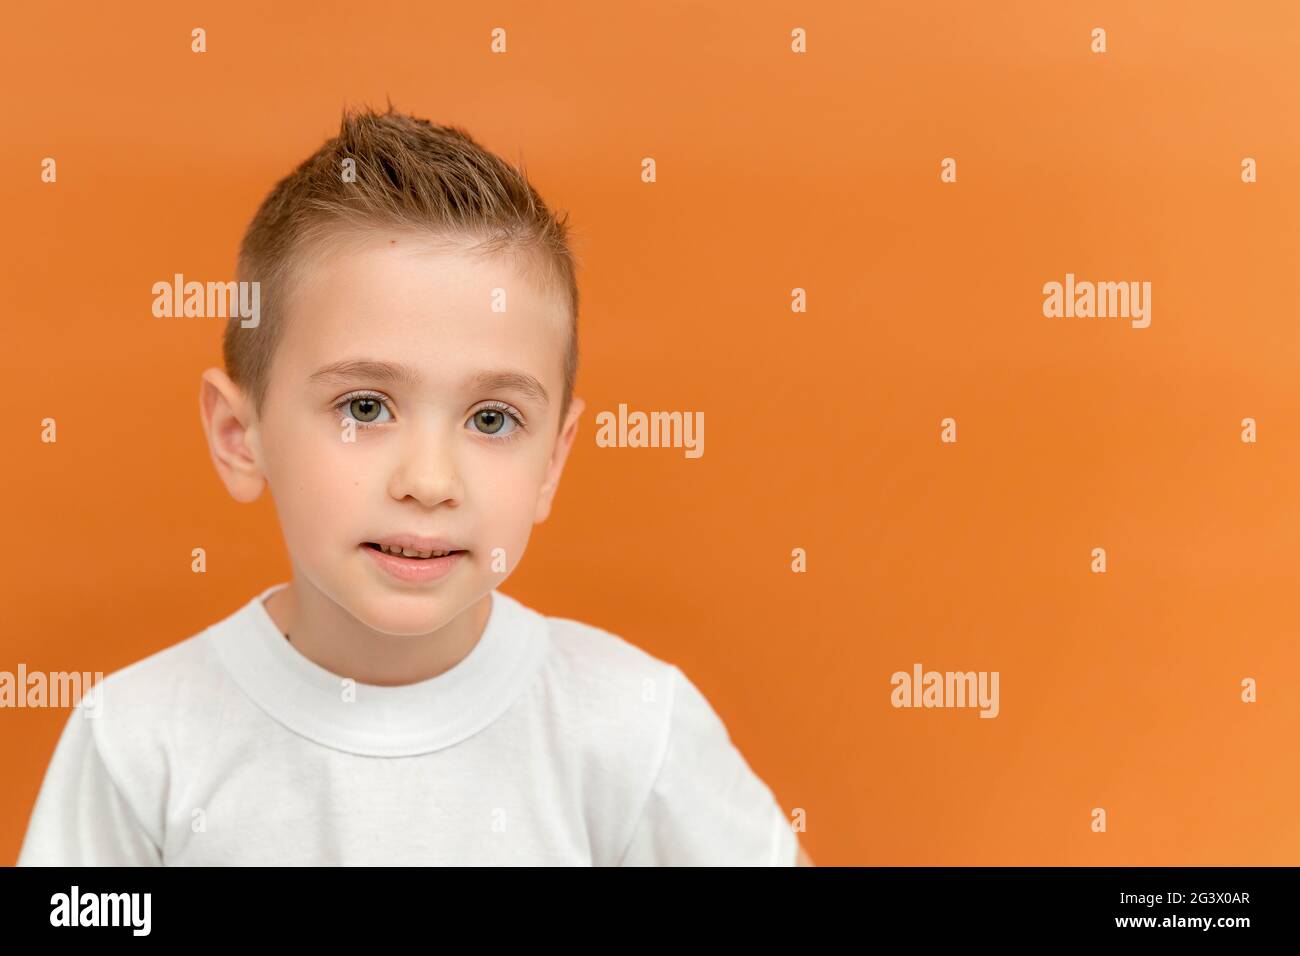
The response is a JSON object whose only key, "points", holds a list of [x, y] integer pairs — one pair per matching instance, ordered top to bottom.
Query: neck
{"points": [[332, 638]]}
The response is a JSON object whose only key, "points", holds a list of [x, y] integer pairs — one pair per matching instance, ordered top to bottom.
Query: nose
{"points": [[427, 469]]}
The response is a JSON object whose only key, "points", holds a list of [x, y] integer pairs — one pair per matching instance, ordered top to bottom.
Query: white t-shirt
{"points": [[552, 742]]}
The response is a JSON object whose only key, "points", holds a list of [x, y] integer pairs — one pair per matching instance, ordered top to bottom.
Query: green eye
{"points": [[364, 409], [491, 420]]}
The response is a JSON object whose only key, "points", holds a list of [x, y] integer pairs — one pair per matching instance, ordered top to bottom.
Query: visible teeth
{"points": [[410, 553]]}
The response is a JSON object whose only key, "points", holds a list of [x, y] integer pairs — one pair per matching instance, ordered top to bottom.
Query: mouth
{"points": [[410, 554], [407, 565]]}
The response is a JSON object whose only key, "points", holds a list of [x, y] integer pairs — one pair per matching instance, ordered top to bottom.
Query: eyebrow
{"points": [[395, 373]]}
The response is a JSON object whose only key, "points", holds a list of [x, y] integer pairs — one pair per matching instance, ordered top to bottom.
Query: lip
{"points": [[414, 542], [415, 570]]}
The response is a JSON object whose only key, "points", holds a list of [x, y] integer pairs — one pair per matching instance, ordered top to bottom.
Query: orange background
{"points": [[775, 171]]}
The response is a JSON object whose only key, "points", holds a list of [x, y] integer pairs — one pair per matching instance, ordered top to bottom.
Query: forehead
{"points": [[421, 301]]}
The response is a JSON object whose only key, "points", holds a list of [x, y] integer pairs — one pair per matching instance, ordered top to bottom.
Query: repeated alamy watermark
{"points": [[179, 298], [1099, 300], [624, 429], [922, 688], [52, 689], [75, 908]]}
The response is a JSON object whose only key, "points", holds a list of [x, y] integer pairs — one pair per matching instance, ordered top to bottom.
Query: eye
{"points": [[365, 408], [497, 420]]}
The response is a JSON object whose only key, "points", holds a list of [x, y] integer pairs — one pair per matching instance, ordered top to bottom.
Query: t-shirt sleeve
{"points": [[706, 806], [81, 817]]}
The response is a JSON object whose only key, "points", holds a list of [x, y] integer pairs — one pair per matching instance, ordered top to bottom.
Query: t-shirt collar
{"points": [[374, 720]]}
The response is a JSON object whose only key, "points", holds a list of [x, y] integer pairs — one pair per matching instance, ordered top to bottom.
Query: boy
{"points": [[406, 396]]}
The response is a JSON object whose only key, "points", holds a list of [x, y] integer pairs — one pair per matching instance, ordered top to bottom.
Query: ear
{"points": [[228, 423], [562, 446]]}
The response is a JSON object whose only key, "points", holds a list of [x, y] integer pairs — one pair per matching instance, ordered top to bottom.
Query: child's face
{"points": [[441, 456]]}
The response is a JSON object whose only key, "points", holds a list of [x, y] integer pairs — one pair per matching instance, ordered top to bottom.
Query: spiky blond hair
{"points": [[412, 174]]}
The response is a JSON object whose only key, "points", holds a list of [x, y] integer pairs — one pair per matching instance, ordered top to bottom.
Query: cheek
{"points": [[314, 477], [509, 481]]}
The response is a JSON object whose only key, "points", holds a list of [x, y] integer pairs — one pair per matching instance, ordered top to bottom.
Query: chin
{"points": [[406, 612], [403, 615]]}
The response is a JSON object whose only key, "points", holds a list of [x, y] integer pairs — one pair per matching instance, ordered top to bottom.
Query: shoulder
{"points": [[604, 660], [608, 673], [178, 680], [609, 685], [610, 704], [150, 719], [129, 736], [683, 792]]}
